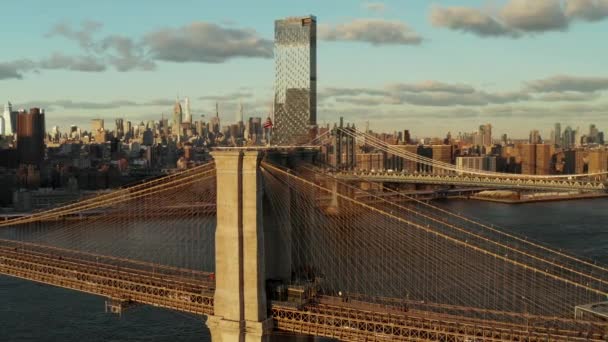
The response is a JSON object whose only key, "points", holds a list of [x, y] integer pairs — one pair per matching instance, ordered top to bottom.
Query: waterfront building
{"points": [[442, 153], [527, 153], [543, 159], [574, 161], [597, 161], [482, 163]]}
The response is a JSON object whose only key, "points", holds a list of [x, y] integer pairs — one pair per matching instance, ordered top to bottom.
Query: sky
{"points": [[427, 66]]}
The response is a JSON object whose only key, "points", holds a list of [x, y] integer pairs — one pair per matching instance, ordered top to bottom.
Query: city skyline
{"points": [[427, 67]]}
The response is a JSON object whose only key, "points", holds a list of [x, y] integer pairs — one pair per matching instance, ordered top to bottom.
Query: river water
{"points": [[34, 312]]}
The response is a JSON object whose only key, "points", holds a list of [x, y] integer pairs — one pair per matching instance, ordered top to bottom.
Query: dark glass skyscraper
{"points": [[295, 99], [30, 136]]}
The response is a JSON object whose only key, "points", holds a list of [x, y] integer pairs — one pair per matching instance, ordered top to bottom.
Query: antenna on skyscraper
{"points": [[239, 114]]}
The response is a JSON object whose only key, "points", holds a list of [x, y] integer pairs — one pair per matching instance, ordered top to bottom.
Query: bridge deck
{"points": [[503, 182], [164, 288], [355, 320], [361, 321]]}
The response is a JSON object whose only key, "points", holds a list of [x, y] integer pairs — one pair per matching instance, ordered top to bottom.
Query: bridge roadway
{"points": [[470, 180], [192, 292]]}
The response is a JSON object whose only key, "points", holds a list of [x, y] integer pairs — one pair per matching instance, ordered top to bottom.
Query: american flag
{"points": [[268, 123]]}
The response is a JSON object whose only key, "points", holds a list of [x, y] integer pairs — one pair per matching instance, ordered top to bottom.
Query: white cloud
{"points": [[589, 10], [535, 16], [518, 18], [469, 20], [373, 31], [207, 43], [563, 83]]}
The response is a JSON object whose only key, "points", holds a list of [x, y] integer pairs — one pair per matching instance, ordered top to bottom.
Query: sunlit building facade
{"points": [[295, 101]]}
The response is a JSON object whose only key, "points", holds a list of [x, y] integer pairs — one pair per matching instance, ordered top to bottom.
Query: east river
{"points": [[33, 312]]}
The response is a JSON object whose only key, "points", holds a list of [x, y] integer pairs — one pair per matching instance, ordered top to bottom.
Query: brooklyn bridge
{"points": [[273, 239]]}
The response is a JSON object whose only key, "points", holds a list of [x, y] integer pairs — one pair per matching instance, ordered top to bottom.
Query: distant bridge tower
{"points": [[345, 147], [240, 308]]}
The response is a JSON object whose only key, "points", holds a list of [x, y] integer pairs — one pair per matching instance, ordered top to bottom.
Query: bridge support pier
{"points": [[240, 310]]}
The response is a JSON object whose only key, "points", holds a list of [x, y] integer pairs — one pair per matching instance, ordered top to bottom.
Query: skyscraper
{"points": [[295, 98], [187, 113], [239, 114], [177, 118], [215, 121], [8, 122], [1, 125], [96, 125], [119, 133], [557, 134], [593, 134], [485, 135], [30, 136], [534, 137], [568, 139], [527, 153], [543, 159]]}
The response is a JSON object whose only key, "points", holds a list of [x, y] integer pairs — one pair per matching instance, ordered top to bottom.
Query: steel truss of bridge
{"points": [[470, 180], [354, 320]]}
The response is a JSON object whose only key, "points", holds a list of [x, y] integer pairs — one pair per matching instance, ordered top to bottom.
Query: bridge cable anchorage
{"points": [[371, 140], [383, 251]]}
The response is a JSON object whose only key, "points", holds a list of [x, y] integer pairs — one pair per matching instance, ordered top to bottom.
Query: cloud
{"points": [[377, 7], [589, 10], [535, 16], [518, 18], [469, 20], [374, 31], [84, 35], [197, 42], [207, 43], [119, 51], [124, 54], [78, 63], [15, 69], [563, 83], [432, 86], [338, 92], [426, 93], [236, 96], [568, 96], [442, 99], [362, 101], [159, 102], [69, 104], [88, 105], [537, 112]]}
